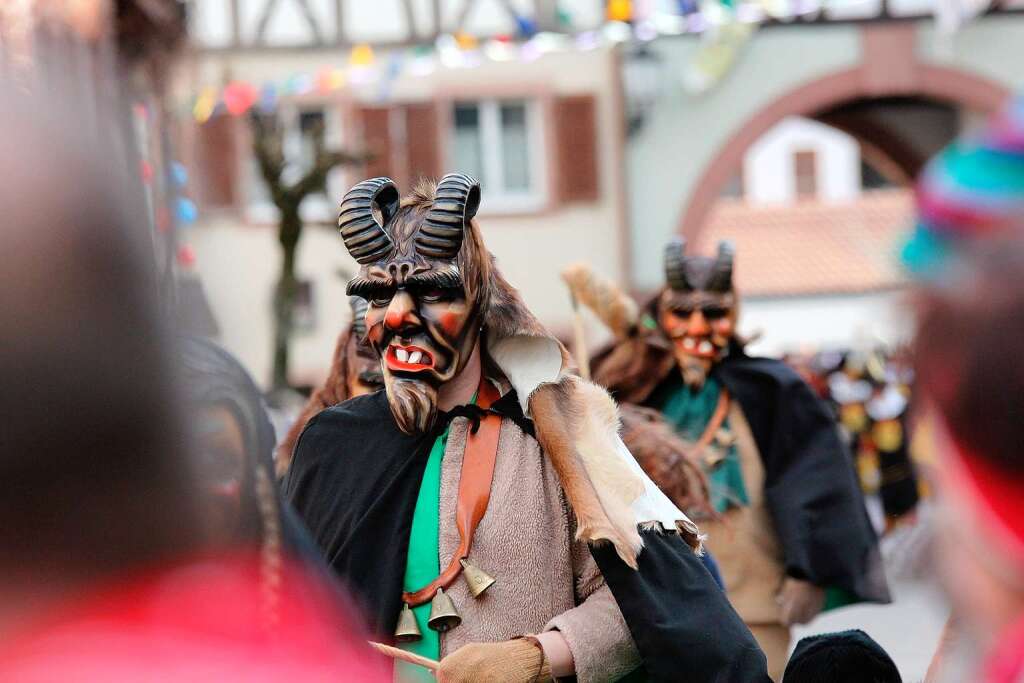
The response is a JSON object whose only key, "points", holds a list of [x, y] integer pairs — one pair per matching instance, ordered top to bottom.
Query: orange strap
{"points": [[717, 418], [474, 492]]}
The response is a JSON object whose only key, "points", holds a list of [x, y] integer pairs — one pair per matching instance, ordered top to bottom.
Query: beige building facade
{"points": [[545, 136]]}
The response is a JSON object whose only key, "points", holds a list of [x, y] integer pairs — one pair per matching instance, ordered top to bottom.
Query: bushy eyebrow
{"points": [[436, 279], [369, 287]]}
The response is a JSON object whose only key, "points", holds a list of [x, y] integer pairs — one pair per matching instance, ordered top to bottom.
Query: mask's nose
{"points": [[401, 313], [697, 324]]}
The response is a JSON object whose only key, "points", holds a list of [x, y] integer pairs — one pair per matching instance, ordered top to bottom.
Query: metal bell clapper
{"points": [[724, 437], [477, 579], [443, 615], [407, 631]]}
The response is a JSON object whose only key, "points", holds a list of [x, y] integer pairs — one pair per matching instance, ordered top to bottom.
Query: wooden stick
{"points": [[580, 339], [410, 657]]}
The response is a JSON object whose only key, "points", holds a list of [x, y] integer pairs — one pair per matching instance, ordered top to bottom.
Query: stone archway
{"points": [[890, 69]]}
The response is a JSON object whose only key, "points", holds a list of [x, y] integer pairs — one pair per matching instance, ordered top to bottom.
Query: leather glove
{"points": [[799, 601], [514, 661]]}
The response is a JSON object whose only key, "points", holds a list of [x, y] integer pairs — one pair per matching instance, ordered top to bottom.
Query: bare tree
{"points": [[268, 146]]}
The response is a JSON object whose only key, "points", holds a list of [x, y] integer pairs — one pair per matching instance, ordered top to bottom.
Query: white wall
{"points": [[769, 172], [239, 265], [829, 321]]}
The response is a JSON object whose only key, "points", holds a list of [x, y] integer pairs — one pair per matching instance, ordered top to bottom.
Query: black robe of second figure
{"points": [[810, 485]]}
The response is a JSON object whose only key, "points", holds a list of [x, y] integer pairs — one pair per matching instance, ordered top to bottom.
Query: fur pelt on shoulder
{"points": [[632, 368], [577, 424], [665, 457]]}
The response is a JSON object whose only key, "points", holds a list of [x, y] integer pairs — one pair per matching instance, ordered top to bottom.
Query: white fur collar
{"points": [[527, 362]]}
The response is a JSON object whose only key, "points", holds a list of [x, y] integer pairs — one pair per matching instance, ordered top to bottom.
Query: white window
{"points": [[298, 124], [498, 142]]}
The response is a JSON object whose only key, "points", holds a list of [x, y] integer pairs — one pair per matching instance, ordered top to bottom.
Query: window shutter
{"points": [[575, 125], [375, 131], [422, 145], [216, 161]]}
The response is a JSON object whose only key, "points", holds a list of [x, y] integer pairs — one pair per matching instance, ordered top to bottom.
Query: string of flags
{"points": [[625, 20], [364, 67]]}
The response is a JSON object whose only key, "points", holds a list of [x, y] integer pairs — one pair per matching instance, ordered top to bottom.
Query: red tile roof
{"points": [[811, 246]]}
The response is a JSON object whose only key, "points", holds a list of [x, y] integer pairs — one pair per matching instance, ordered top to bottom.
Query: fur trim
{"points": [[611, 305], [522, 348], [527, 362], [633, 367], [666, 458], [583, 463], [612, 498], [686, 529]]}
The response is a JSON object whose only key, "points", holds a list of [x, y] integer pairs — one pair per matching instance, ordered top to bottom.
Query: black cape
{"points": [[355, 479], [810, 486]]}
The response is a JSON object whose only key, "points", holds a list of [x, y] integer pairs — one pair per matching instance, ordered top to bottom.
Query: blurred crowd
{"points": [[871, 394]]}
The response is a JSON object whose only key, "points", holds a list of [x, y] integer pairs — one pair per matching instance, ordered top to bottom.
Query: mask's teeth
{"points": [[688, 343], [705, 347], [402, 355], [415, 356]]}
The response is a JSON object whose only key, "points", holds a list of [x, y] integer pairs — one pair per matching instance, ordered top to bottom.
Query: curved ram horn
{"points": [[456, 201], [365, 238], [675, 271], [720, 279], [358, 305]]}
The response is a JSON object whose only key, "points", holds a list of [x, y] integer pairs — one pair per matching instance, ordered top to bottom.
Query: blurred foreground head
{"points": [[969, 194], [968, 253], [971, 371], [233, 442], [91, 461], [845, 657]]}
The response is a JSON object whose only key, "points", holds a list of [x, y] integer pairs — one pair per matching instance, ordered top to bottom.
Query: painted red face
{"points": [[697, 310], [418, 320], [699, 323]]}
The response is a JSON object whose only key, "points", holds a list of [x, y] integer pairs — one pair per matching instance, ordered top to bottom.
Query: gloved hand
{"points": [[799, 601], [514, 661]]}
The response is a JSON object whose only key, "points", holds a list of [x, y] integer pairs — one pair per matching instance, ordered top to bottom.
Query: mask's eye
{"points": [[377, 293], [431, 295], [381, 299], [682, 311], [714, 312]]}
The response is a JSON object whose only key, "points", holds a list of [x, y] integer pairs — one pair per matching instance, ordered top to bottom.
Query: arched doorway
{"points": [[852, 101]]}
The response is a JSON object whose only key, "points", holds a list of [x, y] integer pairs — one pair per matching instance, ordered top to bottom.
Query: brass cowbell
{"points": [[477, 579], [443, 615], [407, 630]]}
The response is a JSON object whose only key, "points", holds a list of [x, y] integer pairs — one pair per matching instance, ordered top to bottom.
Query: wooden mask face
{"points": [[697, 309], [419, 319]]}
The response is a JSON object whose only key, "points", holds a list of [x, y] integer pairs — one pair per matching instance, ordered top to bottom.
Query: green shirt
{"points": [[689, 412], [423, 565]]}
